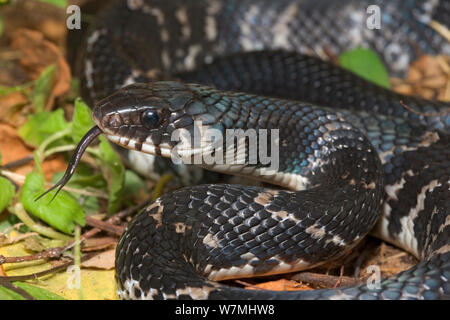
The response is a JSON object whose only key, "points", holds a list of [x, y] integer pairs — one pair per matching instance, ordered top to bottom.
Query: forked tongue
{"points": [[73, 163]]}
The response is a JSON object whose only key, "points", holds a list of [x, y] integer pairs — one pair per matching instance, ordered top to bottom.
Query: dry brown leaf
{"points": [[36, 15], [36, 54], [428, 77], [11, 109], [12, 145], [13, 148], [33, 244], [95, 244], [390, 259], [104, 260], [2, 271], [95, 283], [279, 285]]}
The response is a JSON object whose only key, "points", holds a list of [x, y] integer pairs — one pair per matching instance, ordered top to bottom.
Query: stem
{"points": [[54, 137], [64, 148], [93, 151], [40, 152], [20, 180], [160, 185], [20, 212], [77, 256], [33, 276]]}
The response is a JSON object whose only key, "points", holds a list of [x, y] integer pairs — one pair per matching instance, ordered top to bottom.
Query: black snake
{"points": [[179, 245]]}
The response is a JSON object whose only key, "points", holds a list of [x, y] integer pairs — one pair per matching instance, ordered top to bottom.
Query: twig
{"points": [[440, 28], [331, 55], [436, 114], [17, 163], [20, 180], [20, 212], [117, 217], [105, 226], [20, 237], [47, 254], [36, 275], [341, 275], [325, 281], [16, 289]]}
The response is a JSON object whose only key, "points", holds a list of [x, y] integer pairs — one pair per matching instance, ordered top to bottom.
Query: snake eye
{"points": [[150, 119]]}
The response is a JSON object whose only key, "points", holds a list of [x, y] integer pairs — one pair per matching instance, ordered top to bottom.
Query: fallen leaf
{"points": [[36, 15], [38, 53], [428, 77], [11, 110], [13, 143], [17, 149], [33, 244], [38, 244], [96, 244], [104, 260], [2, 272], [95, 284], [279, 285]]}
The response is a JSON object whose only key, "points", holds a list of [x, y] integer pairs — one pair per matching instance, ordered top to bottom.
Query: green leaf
{"points": [[58, 3], [2, 23], [367, 64], [75, 86], [42, 88], [5, 90], [82, 121], [42, 125], [114, 173], [84, 178], [133, 183], [134, 187], [7, 192], [62, 213], [11, 220], [8, 222], [38, 243], [38, 293], [7, 294]]}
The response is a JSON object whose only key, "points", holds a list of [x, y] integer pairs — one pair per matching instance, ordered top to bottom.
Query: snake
{"points": [[353, 157]]}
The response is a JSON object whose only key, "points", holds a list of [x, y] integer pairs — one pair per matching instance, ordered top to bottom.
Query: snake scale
{"points": [[352, 158]]}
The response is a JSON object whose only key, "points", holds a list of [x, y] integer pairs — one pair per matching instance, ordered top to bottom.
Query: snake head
{"points": [[143, 116]]}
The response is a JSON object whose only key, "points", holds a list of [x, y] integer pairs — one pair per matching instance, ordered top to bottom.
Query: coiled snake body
{"points": [[359, 156]]}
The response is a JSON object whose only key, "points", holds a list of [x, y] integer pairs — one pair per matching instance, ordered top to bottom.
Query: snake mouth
{"points": [[181, 152]]}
